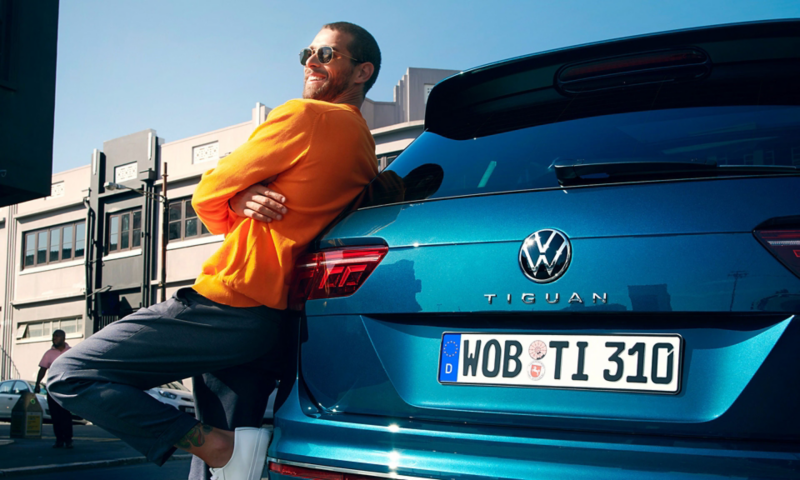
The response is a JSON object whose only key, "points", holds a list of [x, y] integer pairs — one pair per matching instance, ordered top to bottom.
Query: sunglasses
{"points": [[324, 54]]}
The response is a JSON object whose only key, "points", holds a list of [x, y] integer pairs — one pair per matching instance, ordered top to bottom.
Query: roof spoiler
{"points": [[459, 106]]}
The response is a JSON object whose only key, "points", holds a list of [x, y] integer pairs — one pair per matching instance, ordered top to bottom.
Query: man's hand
{"points": [[259, 202], [39, 378]]}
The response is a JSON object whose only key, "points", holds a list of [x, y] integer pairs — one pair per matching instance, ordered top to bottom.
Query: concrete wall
{"points": [[414, 83], [409, 99], [378, 114], [397, 137], [137, 148], [179, 154], [131, 161], [75, 184], [5, 223], [7, 253], [184, 259], [59, 280], [47, 292], [28, 353]]}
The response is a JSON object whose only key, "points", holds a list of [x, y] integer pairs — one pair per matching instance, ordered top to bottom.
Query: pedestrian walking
{"points": [[60, 416]]}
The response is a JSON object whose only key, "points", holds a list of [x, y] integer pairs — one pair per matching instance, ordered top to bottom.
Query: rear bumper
{"points": [[383, 448]]}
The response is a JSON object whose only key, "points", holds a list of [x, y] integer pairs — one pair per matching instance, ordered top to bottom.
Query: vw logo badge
{"points": [[545, 255]]}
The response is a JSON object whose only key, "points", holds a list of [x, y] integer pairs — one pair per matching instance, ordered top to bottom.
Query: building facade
{"points": [[120, 234]]}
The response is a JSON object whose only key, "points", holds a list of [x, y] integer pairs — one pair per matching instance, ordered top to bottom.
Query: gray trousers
{"points": [[234, 356]]}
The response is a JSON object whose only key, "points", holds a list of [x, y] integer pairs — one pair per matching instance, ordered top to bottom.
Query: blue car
{"points": [[587, 266]]}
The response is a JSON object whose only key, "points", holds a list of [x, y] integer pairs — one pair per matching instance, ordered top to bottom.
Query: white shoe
{"points": [[249, 455]]}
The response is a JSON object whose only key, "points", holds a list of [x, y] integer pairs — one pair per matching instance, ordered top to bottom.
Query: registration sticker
{"points": [[537, 350], [536, 371]]}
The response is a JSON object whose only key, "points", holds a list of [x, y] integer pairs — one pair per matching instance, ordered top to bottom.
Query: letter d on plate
{"points": [[450, 355]]}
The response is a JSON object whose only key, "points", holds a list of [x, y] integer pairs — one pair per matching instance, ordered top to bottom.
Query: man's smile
{"points": [[315, 77]]}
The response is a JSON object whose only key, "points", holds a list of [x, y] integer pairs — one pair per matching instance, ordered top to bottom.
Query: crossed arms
{"points": [[259, 202]]}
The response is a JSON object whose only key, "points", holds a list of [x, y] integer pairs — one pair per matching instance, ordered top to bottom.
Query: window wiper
{"points": [[573, 172]]}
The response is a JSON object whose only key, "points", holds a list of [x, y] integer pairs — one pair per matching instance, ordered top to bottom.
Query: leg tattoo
{"points": [[195, 438]]}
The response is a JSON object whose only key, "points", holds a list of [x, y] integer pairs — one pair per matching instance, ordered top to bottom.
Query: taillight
{"points": [[631, 63], [636, 69], [784, 244], [332, 273], [307, 473], [314, 474]]}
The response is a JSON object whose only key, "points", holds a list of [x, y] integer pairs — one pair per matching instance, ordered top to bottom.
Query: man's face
{"points": [[328, 81], [58, 340]]}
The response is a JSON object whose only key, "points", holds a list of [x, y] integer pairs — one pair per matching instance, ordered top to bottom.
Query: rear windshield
{"points": [[435, 166]]}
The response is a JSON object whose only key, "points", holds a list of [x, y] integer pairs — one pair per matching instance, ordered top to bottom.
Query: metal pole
{"points": [[146, 227], [164, 236], [88, 257]]}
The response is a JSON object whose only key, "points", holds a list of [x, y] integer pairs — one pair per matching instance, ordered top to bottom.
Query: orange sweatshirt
{"points": [[323, 155]]}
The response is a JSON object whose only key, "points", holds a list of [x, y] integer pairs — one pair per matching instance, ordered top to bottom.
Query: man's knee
{"points": [[59, 378]]}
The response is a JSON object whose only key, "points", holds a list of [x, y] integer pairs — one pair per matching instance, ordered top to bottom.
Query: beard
{"points": [[329, 91]]}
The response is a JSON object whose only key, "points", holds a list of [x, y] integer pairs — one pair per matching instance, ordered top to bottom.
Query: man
{"points": [[226, 331], [62, 419]]}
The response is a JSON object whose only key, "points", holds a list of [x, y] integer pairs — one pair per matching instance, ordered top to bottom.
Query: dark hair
{"points": [[363, 47], [59, 333]]}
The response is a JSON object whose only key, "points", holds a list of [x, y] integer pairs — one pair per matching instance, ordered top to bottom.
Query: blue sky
{"points": [[184, 67]]}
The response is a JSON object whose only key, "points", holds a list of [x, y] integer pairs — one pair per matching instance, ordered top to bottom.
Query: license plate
{"points": [[640, 363], [189, 410]]}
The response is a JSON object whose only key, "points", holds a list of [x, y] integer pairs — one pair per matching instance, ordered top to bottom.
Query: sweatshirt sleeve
{"points": [[274, 147]]}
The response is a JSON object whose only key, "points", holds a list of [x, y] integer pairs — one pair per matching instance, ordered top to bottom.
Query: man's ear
{"points": [[364, 72]]}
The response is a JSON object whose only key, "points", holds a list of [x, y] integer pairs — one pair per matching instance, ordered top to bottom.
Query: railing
{"points": [[104, 321], [14, 370]]}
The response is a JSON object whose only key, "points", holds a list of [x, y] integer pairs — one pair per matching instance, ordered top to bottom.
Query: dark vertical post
{"points": [[147, 229], [164, 234], [95, 242], [88, 256]]}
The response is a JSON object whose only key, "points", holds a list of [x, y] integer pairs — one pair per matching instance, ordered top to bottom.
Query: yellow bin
{"points": [[26, 417]]}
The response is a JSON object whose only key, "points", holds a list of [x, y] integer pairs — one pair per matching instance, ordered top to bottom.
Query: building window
{"points": [[386, 159], [183, 221], [124, 231], [55, 244], [44, 330]]}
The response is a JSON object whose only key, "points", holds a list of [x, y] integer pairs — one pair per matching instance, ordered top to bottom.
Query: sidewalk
{"points": [[94, 448]]}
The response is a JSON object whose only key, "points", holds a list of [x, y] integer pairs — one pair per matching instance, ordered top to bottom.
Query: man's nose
{"points": [[313, 61]]}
